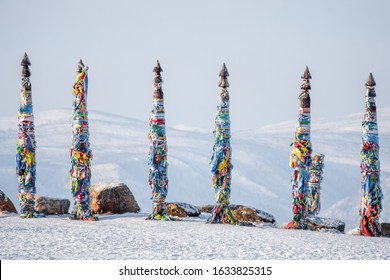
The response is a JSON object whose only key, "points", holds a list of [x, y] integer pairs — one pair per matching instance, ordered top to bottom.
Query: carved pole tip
{"points": [[25, 60], [157, 68], [224, 72], [306, 74], [370, 81]]}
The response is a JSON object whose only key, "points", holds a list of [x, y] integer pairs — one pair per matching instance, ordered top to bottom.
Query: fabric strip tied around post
{"points": [[26, 146], [158, 150], [80, 152], [300, 157], [221, 165], [371, 202]]}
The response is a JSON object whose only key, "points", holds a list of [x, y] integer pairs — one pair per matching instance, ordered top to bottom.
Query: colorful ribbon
{"points": [[158, 149], [25, 150], [80, 153], [300, 157], [221, 165], [313, 191], [371, 203]]}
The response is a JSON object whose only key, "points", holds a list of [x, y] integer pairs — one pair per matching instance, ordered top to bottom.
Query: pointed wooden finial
{"points": [[25, 60], [25, 64], [157, 68], [224, 72], [306, 75], [370, 81], [223, 82]]}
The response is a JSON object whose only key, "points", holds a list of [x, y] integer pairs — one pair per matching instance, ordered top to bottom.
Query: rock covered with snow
{"points": [[112, 198], [6, 204], [51, 206], [206, 208], [181, 209], [244, 213], [250, 214], [318, 223]]}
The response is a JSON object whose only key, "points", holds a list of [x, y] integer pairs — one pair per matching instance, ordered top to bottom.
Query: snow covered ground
{"points": [[261, 179], [130, 236]]}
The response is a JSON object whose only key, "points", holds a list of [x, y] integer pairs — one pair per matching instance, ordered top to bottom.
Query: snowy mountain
{"points": [[261, 175]]}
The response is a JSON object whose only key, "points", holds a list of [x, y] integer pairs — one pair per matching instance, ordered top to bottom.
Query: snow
{"points": [[260, 179], [130, 236]]}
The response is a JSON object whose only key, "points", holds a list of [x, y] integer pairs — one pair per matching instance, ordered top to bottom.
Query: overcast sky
{"points": [[265, 45]]}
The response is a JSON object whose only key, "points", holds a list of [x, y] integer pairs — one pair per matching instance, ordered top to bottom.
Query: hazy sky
{"points": [[265, 45]]}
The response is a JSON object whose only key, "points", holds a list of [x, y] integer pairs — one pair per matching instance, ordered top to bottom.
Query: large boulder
{"points": [[113, 198], [6, 204], [51, 206], [180, 209], [244, 213], [249, 214], [325, 224]]}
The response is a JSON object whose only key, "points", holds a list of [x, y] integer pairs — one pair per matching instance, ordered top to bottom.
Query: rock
{"points": [[114, 198], [6, 204], [51, 206], [206, 208], [180, 209], [244, 213], [250, 214], [318, 223], [385, 228]]}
